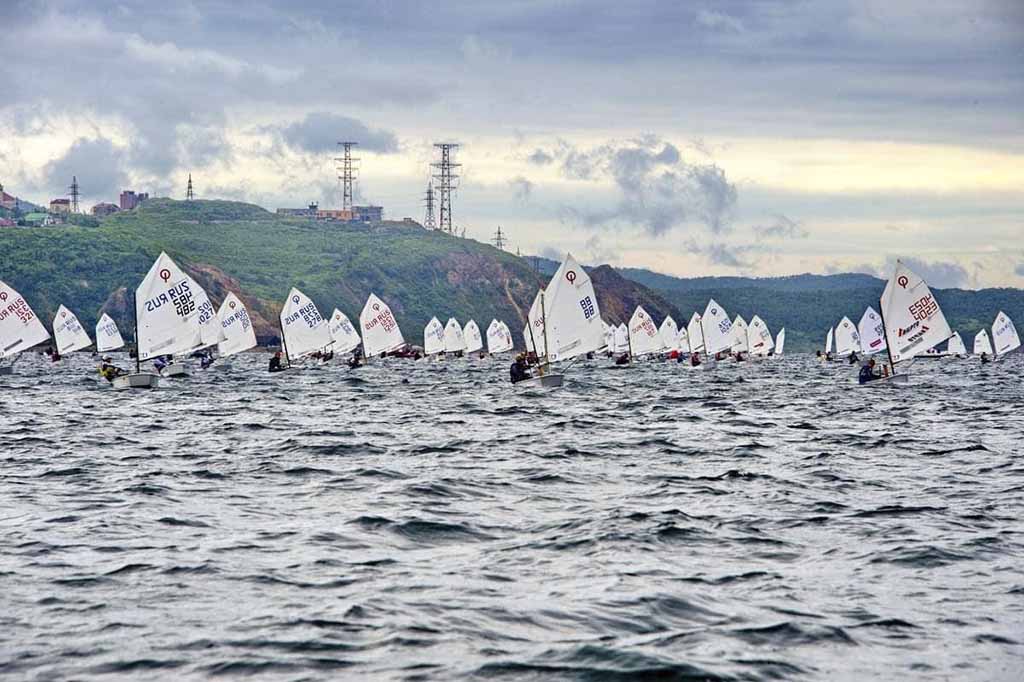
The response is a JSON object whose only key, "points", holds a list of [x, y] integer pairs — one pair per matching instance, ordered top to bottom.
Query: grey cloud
{"points": [[718, 21], [321, 131], [540, 157], [98, 165], [521, 188], [658, 189], [781, 227], [551, 253], [719, 253], [941, 275]]}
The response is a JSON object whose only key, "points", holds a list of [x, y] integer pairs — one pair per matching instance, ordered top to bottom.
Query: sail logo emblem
{"points": [[165, 274], [571, 276], [902, 281], [3, 295], [295, 299], [231, 305], [376, 306], [714, 311], [63, 314]]}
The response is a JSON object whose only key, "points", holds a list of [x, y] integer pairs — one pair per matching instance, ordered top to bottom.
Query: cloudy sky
{"points": [[715, 137]]}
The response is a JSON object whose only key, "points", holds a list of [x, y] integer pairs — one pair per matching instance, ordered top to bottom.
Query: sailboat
{"points": [[168, 305], [912, 319], [571, 321], [20, 329], [716, 330], [304, 331], [668, 331], [68, 332], [534, 332], [872, 332], [381, 333], [239, 334], [696, 335], [1004, 335], [108, 336], [344, 336], [433, 337], [644, 337], [739, 337], [759, 338], [847, 338], [454, 339], [473, 339], [499, 340], [621, 340], [780, 341], [682, 342], [509, 343], [828, 343], [982, 344], [956, 346]]}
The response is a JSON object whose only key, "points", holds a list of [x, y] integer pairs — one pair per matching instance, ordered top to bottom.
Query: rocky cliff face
{"points": [[618, 297]]}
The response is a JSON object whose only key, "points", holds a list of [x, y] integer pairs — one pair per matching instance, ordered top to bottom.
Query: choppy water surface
{"points": [[423, 521]]}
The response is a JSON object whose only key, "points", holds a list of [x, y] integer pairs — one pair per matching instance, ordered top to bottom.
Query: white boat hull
{"points": [[175, 369], [141, 380], [546, 381]]}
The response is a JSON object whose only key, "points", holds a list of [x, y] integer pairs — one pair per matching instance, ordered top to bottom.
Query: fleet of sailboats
{"points": [[174, 317]]}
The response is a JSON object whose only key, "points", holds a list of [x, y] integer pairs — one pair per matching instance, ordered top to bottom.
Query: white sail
{"points": [[168, 304], [571, 313], [913, 320], [20, 329], [305, 329], [717, 329], [693, 330], [211, 331], [668, 331], [68, 332], [533, 332], [872, 332], [343, 333], [381, 333], [239, 334], [739, 335], [1004, 335], [108, 336], [609, 336], [433, 337], [495, 338], [644, 338], [847, 338], [454, 339], [621, 339], [759, 339], [828, 339], [474, 341], [780, 341], [682, 343], [982, 344], [956, 345]]}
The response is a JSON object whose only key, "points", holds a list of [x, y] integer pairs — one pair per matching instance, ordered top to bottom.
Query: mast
{"points": [[544, 317], [135, 320], [885, 335], [704, 338], [629, 340], [284, 344]]}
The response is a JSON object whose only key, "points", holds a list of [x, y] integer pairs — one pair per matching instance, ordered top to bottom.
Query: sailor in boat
{"points": [[54, 355], [482, 355], [739, 356], [853, 357], [205, 358], [357, 358], [622, 359], [694, 359], [985, 359], [160, 362], [275, 363], [110, 371], [518, 372], [868, 373]]}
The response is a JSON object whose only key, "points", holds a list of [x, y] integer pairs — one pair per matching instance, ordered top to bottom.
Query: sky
{"points": [[693, 138]]}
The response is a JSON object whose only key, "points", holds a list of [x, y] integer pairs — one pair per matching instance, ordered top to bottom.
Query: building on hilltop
{"points": [[130, 200], [60, 206], [102, 209], [309, 212], [340, 214], [367, 214], [38, 219], [7, 222]]}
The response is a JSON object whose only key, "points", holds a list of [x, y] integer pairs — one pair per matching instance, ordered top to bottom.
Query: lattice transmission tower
{"points": [[347, 173], [447, 177], [75, 194], [189, 194], [428, 200]]}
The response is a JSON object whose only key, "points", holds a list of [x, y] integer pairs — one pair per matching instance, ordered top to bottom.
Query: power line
{"points": [[348, 174], [447, 177]]}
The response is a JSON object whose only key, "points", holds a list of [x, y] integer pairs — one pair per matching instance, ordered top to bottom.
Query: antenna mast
{"points": [[348, 173], [447, 177], [74, 194], [189, 194]]}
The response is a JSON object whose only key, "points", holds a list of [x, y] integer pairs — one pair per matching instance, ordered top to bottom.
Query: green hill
{"points": [[228, 245]]}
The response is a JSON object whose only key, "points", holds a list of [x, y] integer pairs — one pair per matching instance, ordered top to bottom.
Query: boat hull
{"points": [[175, 369], [141, 380], [546, 381], [885, 381]]}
